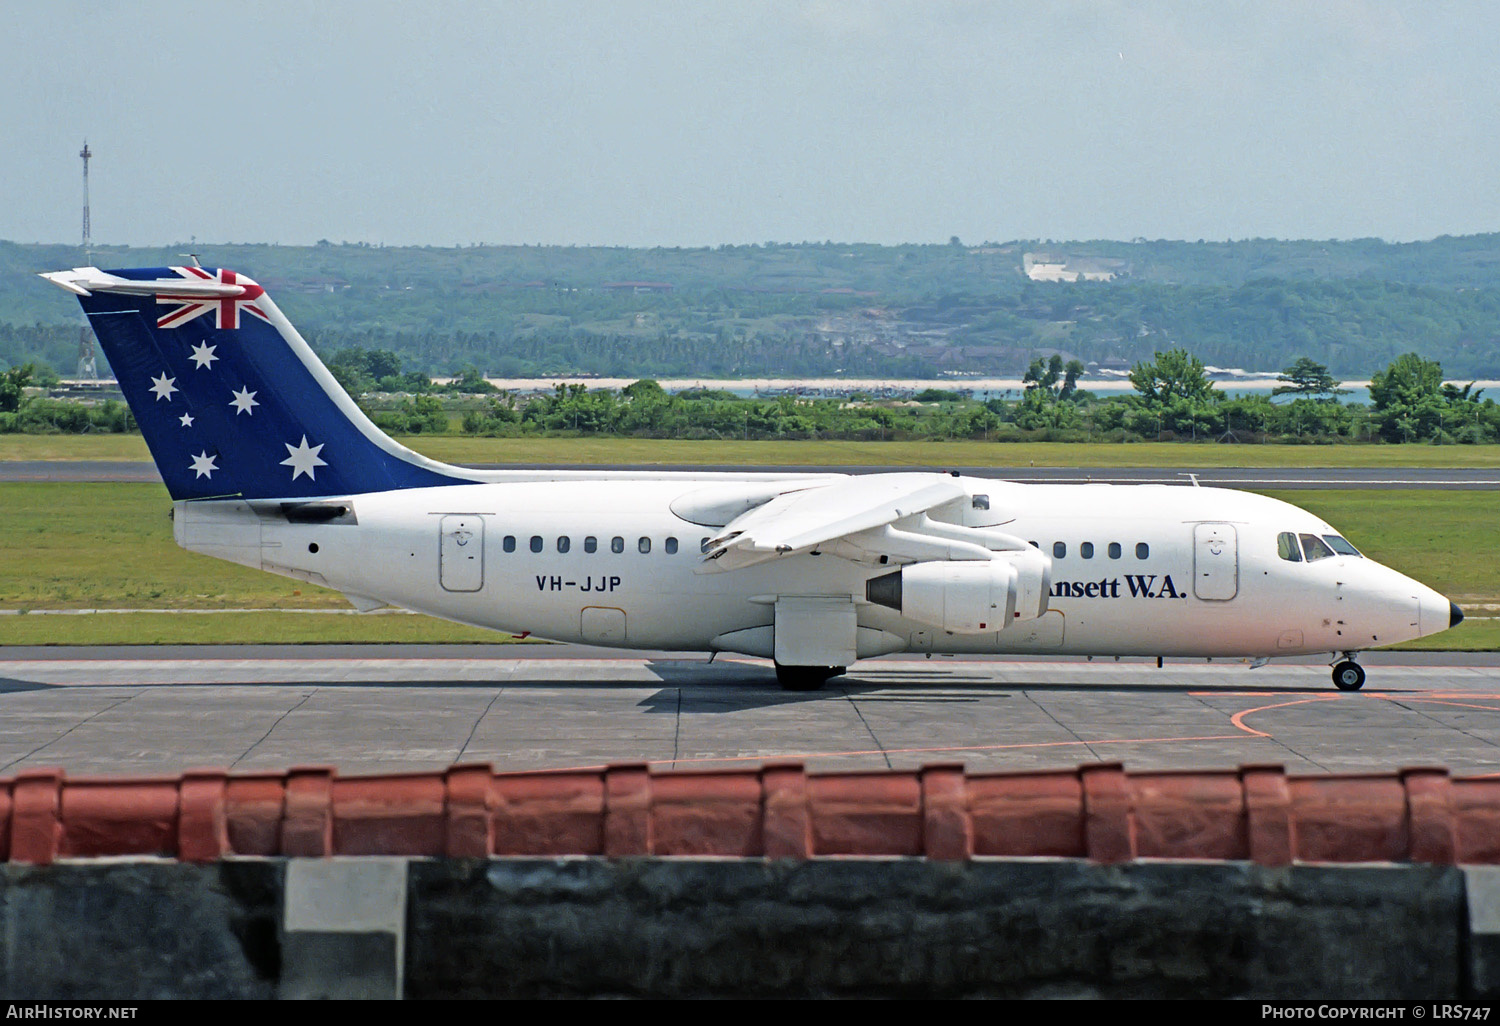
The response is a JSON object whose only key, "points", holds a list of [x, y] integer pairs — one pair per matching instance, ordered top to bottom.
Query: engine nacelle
{"points": [[1033, 581], [968, 597]]}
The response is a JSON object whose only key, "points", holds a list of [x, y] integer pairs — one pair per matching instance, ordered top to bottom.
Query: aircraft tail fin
{"points": [[230, 398]]}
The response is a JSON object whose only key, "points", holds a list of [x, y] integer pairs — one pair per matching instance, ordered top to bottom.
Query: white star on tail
{"points": [[203, 355], [163, 387], [243, 400], [186, 420], [303, 458], [203, 464]]}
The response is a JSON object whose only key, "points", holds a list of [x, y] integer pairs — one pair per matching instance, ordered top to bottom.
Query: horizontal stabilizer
{"points": [[85, 281]]}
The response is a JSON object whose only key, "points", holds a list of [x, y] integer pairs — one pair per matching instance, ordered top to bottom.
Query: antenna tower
{"points": [[86, 153], [87, 367]]}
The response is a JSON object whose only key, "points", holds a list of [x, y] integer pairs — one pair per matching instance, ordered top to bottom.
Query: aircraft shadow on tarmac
{"points": [[11, 686], [749, 690]]}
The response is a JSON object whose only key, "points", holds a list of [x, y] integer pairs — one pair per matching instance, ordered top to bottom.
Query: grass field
{"points": [[666, 452], [109, 546], [237, 629]]}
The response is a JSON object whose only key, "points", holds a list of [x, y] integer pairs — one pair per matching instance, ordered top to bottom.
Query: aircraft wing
{"points": [[855, 517]]}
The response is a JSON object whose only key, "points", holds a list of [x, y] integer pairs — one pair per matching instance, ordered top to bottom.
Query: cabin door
{"points": [[461, 561], [1216, 562]]}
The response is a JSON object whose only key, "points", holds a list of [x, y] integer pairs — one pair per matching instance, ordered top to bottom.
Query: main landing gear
{"points": [[1348, 675], [805, 678]]}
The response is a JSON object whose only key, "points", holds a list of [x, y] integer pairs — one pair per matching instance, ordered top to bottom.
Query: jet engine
{"points": [[969, 596]]}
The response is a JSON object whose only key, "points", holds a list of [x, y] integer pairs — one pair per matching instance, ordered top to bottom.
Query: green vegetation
{"points": [[818, 309], [1174, 400], [73, 447], [597, 449], [90, 546], [58, 552], [239, 629], [1469, 636]]}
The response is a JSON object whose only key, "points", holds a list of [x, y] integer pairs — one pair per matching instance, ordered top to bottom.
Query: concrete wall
{"points": [[771, 881], [684, 927]]}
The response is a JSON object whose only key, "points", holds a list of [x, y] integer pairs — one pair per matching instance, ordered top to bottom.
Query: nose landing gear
{"points": [[1348, 675]]}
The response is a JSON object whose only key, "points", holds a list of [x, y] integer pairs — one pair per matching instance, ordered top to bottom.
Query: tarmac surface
{"points": [[1226, 477], [368, 709]]}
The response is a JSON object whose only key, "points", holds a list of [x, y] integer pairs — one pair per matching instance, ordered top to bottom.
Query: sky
{"points": [[684, 123]]}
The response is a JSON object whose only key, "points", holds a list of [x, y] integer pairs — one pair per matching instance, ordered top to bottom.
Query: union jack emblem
{"points": [[226, 309]]}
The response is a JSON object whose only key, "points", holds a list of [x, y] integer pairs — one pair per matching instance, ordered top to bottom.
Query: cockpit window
{"points": [[981, 502], [1340, 546], [1287, 547], [1315, 548]]}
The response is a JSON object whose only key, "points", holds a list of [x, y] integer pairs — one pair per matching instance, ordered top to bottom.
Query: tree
{"points": [[382, 363], [1071, 373], [1042, 375], [1173, 375], [43, 376], [1308, 379], [469, 380], [1050, 380], [12, 384], [645, 388], [1408, 398]]}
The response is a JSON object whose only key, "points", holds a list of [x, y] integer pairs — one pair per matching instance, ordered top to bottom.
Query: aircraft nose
{"points": [[1455, 615]]}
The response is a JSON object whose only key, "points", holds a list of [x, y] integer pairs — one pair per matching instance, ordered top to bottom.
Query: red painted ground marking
{"points": [[1433, 698], [1460, 705], [1238, 721]]}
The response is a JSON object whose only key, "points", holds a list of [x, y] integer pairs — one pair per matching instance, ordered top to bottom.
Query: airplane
{"points": [[270, 464]]}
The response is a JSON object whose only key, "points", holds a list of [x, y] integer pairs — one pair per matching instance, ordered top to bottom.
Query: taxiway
{"points": [[368, 709]]}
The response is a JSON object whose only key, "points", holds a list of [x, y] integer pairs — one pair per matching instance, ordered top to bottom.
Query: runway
{"points": [[1225, 477], [369, 709]]}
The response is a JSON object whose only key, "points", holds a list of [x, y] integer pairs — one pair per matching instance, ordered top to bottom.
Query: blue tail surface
{"points": [[230, 399]]}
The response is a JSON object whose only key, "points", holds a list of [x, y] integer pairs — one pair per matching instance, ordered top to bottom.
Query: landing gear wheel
{"points": [[1348, 676], [805, 678]]}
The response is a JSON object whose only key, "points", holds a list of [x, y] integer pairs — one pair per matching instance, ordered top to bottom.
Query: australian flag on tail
{"points": [[230, 399]]}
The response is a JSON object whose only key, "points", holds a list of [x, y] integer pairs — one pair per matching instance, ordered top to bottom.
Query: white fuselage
{"points": [[1169, 570]]}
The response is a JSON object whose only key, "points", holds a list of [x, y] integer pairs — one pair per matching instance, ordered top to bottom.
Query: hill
{"points": [[815, 309]]}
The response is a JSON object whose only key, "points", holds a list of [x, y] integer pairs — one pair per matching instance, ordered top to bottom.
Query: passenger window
{"points": [[981, 502], [536, 543], [564, 543], [591, 544], [617, 544], [1033, 544], [509, 545], [644, 545], [703, 545], [671, 546], [1340, 546], [1286, 547], [1314, 547], [1059, 550], [1086, 550], [1114, 550], [1142, 550]]}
